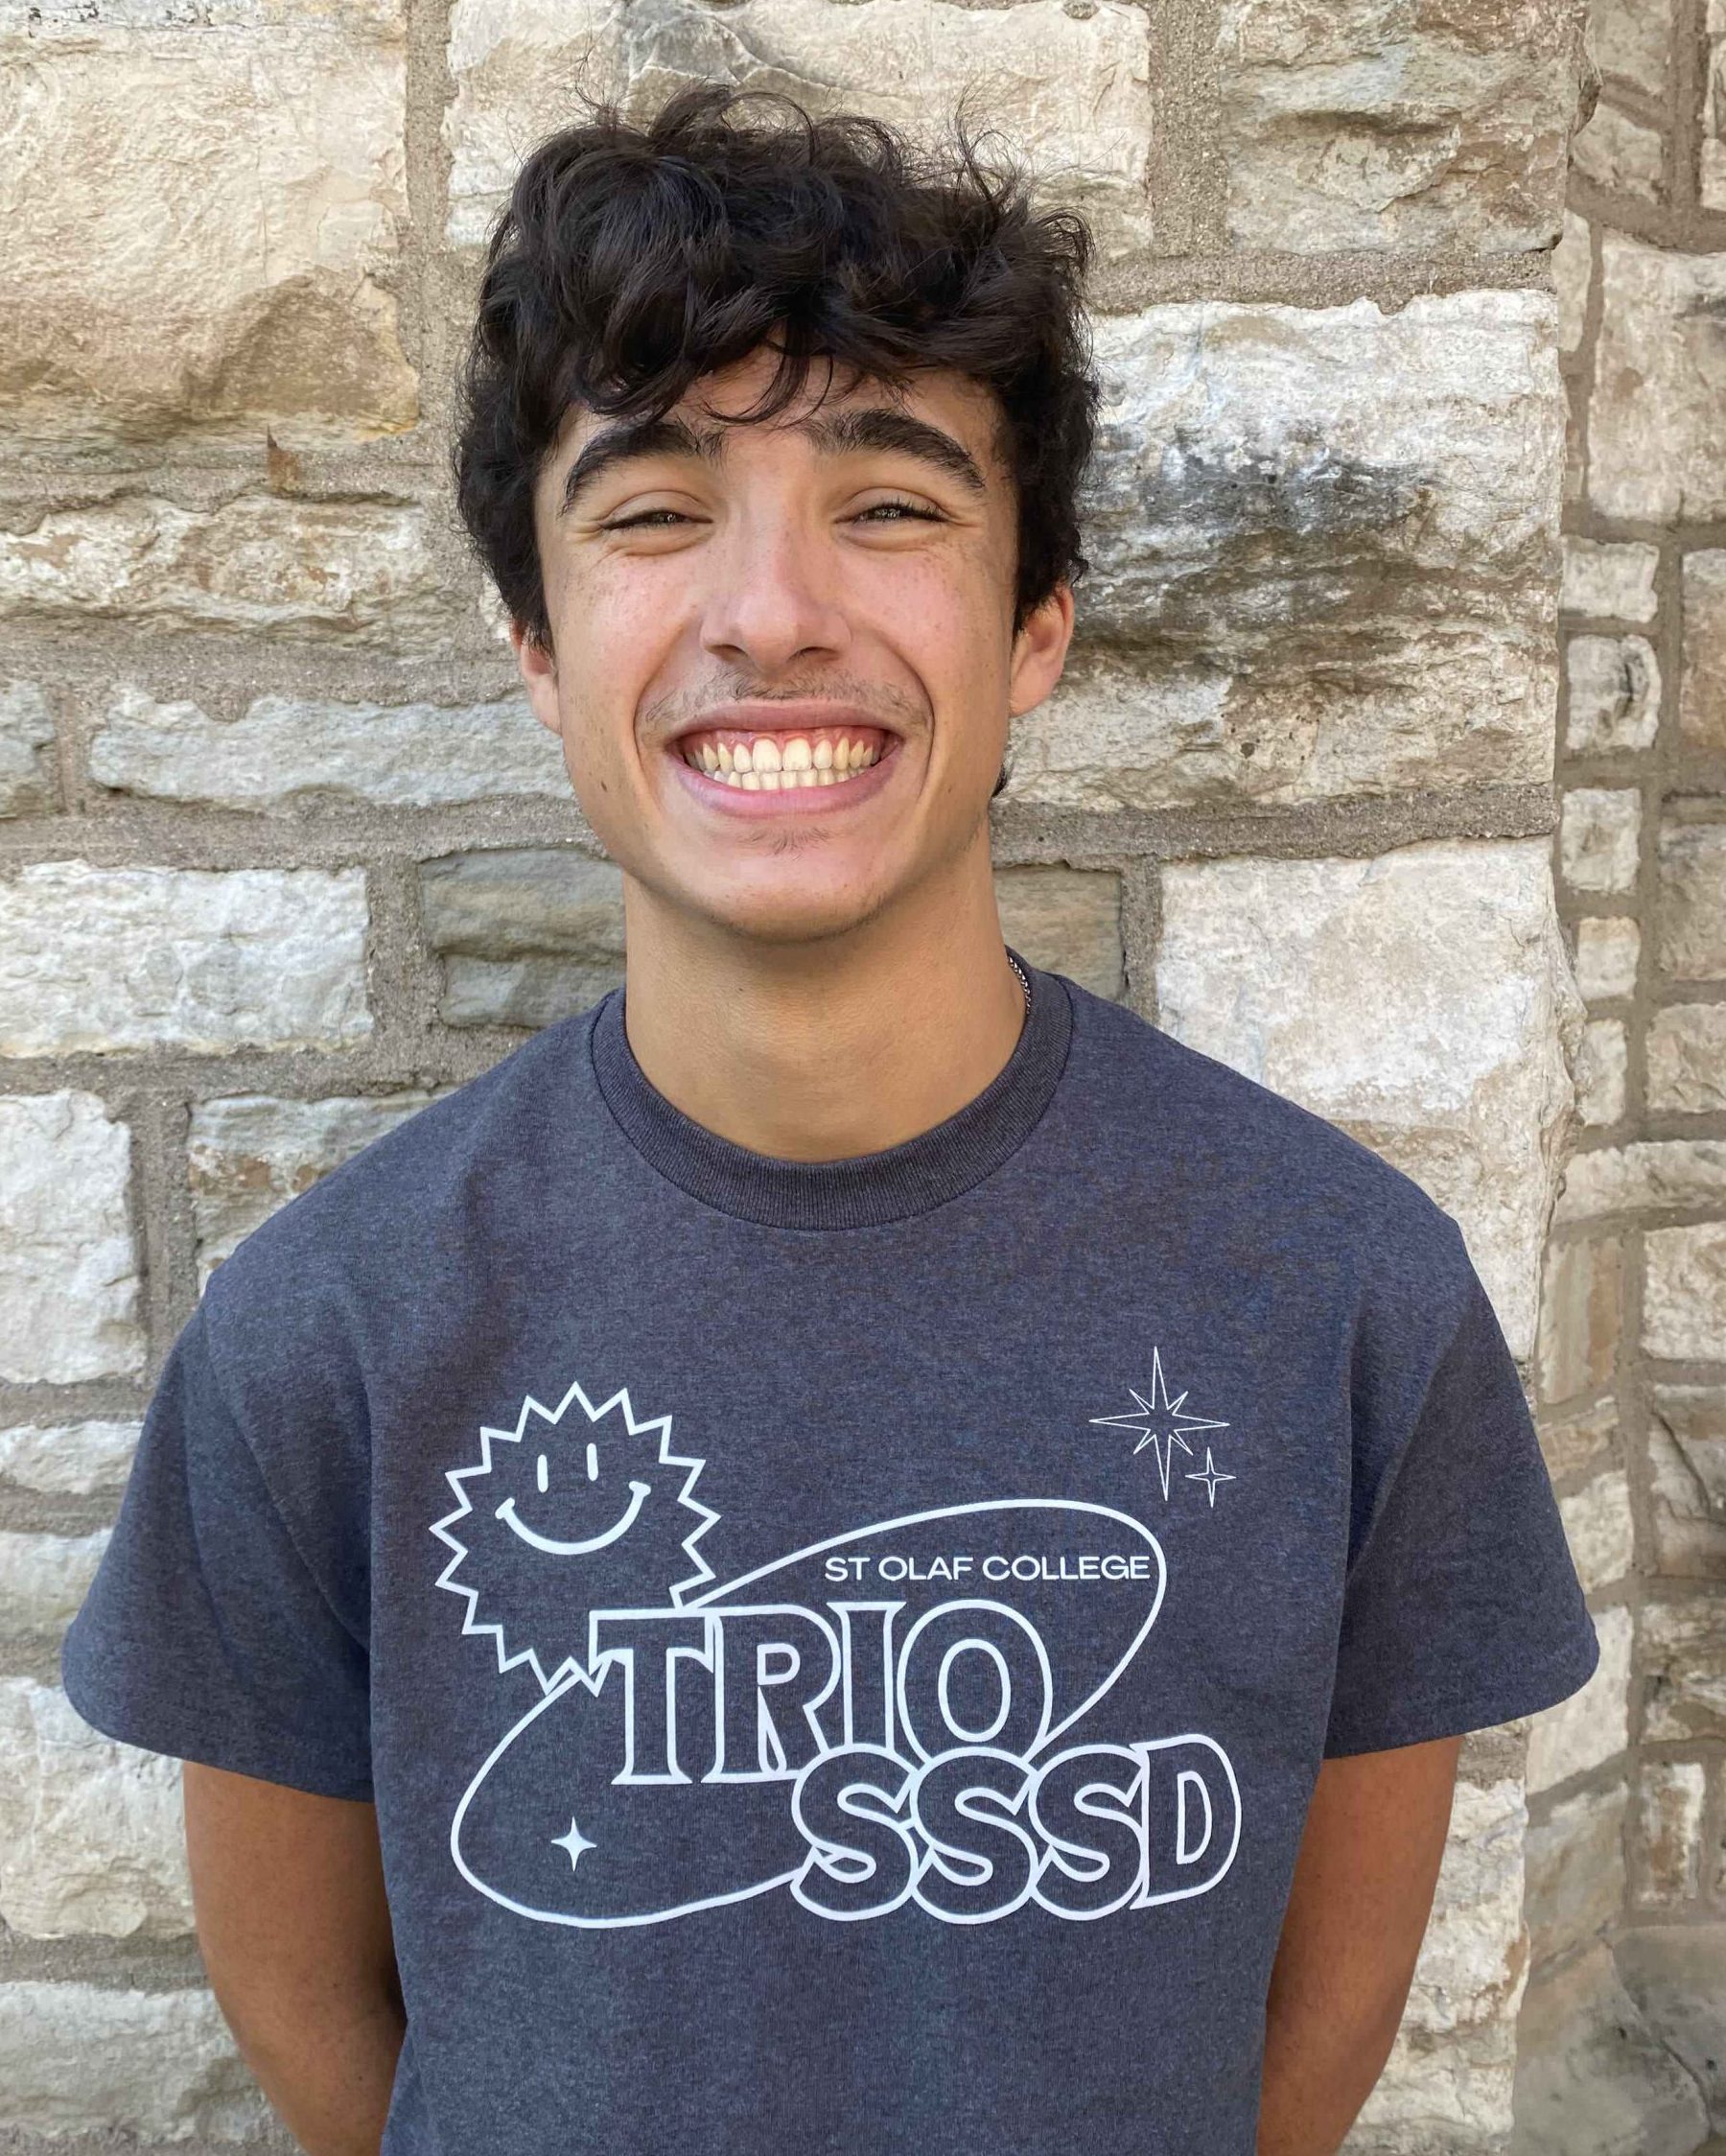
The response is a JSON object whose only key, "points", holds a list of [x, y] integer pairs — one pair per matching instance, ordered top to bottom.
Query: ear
{"points": [[1039, 650], [539, 671]]}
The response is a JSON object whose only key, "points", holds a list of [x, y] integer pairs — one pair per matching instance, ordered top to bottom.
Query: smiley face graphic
{"points": [[577, 1507]]}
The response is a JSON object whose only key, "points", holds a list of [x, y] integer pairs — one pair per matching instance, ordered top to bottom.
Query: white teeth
{"points": [[842, 754], [764, 755], [797, 756], [823, 756], [710, 757], [725, 757], [741, 760], [766, 766], [823, 777], [752, 782], [770, 782]]}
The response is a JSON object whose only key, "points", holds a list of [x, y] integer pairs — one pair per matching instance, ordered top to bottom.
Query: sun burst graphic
{"points": [[579, 1507]]}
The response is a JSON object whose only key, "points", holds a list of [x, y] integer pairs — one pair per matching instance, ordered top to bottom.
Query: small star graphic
{"points": [[1160, 1408], [1210, 1476], [574, 1841]]}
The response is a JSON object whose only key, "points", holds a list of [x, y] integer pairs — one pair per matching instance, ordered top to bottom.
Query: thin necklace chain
{"points": [[1024, 980]]}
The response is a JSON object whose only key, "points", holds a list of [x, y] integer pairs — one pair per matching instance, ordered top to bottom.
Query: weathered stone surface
{"points": [[1630, 39], [1071, 90], [1363, 125], [1621, 154], [1713, 159], [228, 256], [1572, 269], [1657, 417], [1321, 543], [360, 572], [1609, 577], [1702, 691], [1614, 693], [288, 752], [27, 780], [1598, 833], [1692, 901], [1067, 920], [528, 935], [1608, 952], [103, 959], [1418, 999], [1687, 1059], [1602, 1071], [246, 1156], [1647, 1173], [69, 1291], [1580, 1301], [1684, 1304], [1579, 1445], [67, 1459], [1687, 1459], [1597, 1526], [43, 1578], [1682, 1654], [1591, 1726], [1670, 1795], [91, 1831], [1575, 1872], [1672, 1970], [87, 2058], [1593, 2078], [1448, 2083]]}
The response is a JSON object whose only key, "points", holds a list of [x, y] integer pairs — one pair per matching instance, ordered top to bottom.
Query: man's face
{"points": [[782, 655]]}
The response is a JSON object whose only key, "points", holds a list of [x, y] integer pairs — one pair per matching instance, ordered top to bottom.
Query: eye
{"points": [[897, 511], [647, 519]]}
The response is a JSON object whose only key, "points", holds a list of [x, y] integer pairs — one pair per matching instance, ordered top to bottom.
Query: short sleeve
{"points": [[1463, 1609], [207, 1632]]}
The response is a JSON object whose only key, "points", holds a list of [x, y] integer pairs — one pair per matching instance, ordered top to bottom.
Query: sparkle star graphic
{"points": [[1160, 1423], [1210, 1476], [574, 1841]]}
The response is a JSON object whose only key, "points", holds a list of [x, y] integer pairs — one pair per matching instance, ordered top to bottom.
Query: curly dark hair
{"points": [[630, 261]]}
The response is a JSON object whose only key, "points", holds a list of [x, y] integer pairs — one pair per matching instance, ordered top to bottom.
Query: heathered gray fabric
{"points": [[840, 1652]]}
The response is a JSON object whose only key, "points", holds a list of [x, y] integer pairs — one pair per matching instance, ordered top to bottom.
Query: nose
{"points": [[773, 599]]}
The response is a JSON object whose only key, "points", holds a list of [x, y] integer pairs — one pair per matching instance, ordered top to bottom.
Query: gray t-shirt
{"points": [[840, 1651]]}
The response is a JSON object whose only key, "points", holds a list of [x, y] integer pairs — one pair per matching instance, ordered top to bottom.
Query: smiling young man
{"points": [[852, 1550]]}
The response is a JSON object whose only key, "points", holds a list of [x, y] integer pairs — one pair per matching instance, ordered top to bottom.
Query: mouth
{"points": [[789, 760]]}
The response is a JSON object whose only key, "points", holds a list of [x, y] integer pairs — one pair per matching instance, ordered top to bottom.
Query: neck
{"points": [[824, 1050]]}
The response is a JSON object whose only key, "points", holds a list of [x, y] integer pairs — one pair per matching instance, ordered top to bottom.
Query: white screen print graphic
{"points": [[888, 1717]]}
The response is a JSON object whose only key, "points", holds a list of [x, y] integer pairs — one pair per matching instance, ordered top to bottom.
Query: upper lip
{"points": [[784, 717]]}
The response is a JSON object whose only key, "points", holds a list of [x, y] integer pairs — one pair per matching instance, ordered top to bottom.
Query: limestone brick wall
{"points": [[282, 854], [1624, 2021]]}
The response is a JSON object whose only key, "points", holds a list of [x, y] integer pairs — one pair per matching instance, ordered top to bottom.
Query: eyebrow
{"points": [[866, 427]]}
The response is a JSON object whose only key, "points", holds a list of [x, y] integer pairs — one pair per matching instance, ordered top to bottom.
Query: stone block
{"points": [[1629, 40], [1070, 88], [1374, 126], [1622, 155], [1712, 161], [229, 257], [1573, 270], [1657, 416], [1321, 546], [357, 571], [1613, 578], [1614, 684], [1702, 691], [289, 752], [28, 784], [1599, 832], [1692, 901], [1067, 920], [526, 935], [1607, 953], [100, 959], [1418, 999], [1686, 1049], [1600, 1072], [246, 1156], [1647, 1174], [69, 1288], [1580, 1303], [1684, 1304], [1579, 1444], [68, 1459], [1687, 1462], [1597, 1526], [43, 1578], [1683, 1659], [1592, 1725], [1669, 1797], [92, 1837], [1575, 1872], [1673, 1972], [89, 2058], [1593, 2077]]}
